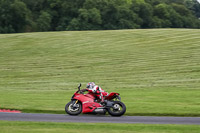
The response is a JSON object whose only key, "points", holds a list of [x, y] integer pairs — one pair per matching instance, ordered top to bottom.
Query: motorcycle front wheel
{"points": [[73, 109], [118, 109]]}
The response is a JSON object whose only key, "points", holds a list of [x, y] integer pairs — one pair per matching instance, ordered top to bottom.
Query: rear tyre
{"points": [[118, 109], [73, 110]]}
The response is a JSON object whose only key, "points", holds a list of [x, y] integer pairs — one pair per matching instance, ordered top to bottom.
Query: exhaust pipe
{"points": [[99, 111]]}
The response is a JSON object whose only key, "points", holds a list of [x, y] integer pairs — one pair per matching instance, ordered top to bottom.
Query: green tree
{"points": [[194, 6], [181, 9], [144, 11], [115, 14], [50, 15], [15, 16], [20, 16], [5, 17], [175, 19], [87, 20], [44, 21], [156, 22]]}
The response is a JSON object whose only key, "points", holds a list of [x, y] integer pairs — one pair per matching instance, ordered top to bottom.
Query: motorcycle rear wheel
{"points": [[69, 109], [118, 109]]}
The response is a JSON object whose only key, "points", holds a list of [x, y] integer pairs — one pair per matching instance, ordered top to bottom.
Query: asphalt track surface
{"points": [[98, 118]]}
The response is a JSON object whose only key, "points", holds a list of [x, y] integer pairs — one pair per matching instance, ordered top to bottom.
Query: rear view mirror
{"points": [[79, 86]]}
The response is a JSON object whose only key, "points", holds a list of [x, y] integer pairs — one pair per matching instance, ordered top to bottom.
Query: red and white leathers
{"points": [[98, 92]]}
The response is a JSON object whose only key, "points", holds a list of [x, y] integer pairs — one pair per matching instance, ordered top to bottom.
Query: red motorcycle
{"points": [[87, 103]]}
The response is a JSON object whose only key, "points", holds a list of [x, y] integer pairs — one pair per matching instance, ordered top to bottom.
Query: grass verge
{"points": [[50, 127]]}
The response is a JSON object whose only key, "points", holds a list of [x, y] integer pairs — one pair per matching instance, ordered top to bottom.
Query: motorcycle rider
{"points": [[96, 91]]}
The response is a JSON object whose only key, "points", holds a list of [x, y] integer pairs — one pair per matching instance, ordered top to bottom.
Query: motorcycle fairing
{"points": [[111, 95], [88, 104], [90, 107]]}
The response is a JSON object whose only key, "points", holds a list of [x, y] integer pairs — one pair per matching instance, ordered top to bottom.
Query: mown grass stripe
{"points": [[140, 64]]}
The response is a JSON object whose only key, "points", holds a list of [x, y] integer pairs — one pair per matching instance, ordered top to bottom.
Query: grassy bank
{"points": [[157, 71], [50, 127]]}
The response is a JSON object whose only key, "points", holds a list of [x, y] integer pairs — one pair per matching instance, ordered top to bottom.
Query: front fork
{"points": [[74, 102]]}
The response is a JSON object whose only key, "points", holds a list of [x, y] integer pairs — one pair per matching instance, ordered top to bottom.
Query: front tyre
{"points": [[73, 109], [118, 109]]}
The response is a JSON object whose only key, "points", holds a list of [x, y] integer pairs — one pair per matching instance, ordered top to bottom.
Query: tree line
{"points": [[60, 15]]}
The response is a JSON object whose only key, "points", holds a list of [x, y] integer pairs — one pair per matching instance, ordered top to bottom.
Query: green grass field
{"points": [[156, 71], [51, 127]]}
